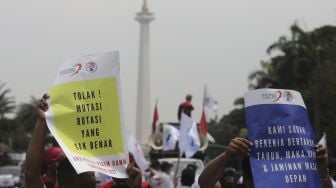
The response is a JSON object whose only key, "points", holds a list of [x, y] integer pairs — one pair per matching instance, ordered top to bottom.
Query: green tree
{"points": [[305, 61], [7, 104], [26, 117]]}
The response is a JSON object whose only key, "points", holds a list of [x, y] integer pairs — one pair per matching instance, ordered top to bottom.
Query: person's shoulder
{"points": [[182, 103], [186, 103]]}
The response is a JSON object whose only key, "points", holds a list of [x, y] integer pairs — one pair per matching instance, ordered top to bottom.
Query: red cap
{"points": [[51, 155]]}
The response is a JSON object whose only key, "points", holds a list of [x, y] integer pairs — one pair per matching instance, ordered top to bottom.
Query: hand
{"points": [[43, 106], [239, 146], [322, 160], [132, 171], [134, 174]]}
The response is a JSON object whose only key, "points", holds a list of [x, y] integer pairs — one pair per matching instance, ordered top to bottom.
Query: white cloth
{"points": [[209, 102], [170, 137], [189, 141], [161, 180], [333, 182]]}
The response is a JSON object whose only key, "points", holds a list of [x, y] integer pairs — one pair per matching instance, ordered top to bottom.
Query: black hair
{"points": [[188, 97], [155, 164], [165, 166], [192, 166], [65, 172], [188, 177]]}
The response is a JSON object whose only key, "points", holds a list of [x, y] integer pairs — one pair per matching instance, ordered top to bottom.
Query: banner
{"points": [[85, 114], [283, 152]]}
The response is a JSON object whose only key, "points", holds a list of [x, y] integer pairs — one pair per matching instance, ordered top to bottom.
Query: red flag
{"points": [[155, 118], [203, 127]]}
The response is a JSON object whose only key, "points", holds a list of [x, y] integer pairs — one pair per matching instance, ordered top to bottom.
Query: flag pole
{"points": [[204, 96], [177, 168]]}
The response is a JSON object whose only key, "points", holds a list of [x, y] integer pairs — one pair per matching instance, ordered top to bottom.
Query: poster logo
{"points": [[91, 67], [75, 69], [277, 95], [288, 96]]}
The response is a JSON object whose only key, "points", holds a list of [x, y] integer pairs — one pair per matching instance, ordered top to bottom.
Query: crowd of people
{"points": [[51, 169]]}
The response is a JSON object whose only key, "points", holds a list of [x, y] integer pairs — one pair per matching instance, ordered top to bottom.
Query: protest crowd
{"points": [[92, 148], [50, 168]]}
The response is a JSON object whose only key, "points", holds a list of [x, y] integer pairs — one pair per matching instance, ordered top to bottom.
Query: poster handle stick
{"points": [[177, 168]]}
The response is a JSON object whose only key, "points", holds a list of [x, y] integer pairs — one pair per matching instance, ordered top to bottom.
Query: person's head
{"points": [[188, 97], [52, 157], [155, 164], [192, 166], [166, 167], [188, 176], [67, 177], [227, 178], [120, 183]]}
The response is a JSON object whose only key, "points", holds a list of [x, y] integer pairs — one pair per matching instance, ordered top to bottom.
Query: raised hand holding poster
{"points": [[85, 114], [283, 152]]}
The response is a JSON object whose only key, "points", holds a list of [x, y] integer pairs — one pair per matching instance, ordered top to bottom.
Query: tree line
{"points": [[304, 61], [16, 131]]}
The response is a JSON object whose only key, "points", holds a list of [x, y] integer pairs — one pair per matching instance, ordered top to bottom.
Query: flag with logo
{"points": [[208, 101], [85, 114], [170, 137], [189, 141], [135, 148], [283, 151]]}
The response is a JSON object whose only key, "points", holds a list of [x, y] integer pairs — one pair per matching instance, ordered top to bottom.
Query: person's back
{"points": [[185, 107], [68, 177], [162, 179]]}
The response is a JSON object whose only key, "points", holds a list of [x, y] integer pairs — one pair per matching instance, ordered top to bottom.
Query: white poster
{"points": [[86, 116]]}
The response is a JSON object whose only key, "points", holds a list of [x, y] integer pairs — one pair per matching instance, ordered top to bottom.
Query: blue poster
{"points": [[283, 152]]}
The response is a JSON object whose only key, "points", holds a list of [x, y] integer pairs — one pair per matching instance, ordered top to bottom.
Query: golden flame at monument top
{"points": [[145, 6]]}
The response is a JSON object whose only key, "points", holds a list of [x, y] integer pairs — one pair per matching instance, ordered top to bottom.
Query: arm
{"points": [[179, 112], [35, 150], [322, 163], [211, 173]]}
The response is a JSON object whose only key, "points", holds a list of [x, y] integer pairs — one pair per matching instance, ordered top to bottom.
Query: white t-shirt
{"points": [[161, 180]]}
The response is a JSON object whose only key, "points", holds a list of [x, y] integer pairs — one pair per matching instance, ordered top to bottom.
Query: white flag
{"points": [[208, 101], [170, 137], [210, 138], [323, 140], [189, 141], [135, 148]]}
